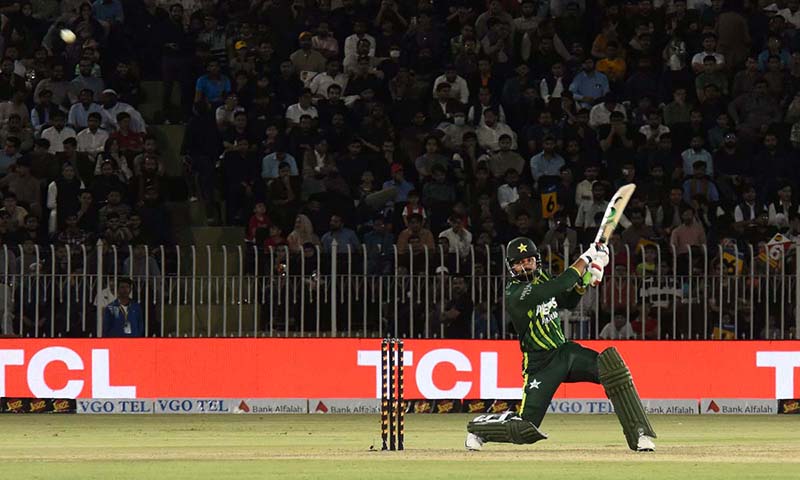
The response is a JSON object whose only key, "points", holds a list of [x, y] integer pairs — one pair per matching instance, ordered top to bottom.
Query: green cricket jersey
{"points": [[533, 308]]}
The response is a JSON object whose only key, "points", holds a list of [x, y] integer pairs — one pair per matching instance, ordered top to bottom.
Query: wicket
{"points": [[392, 405]]}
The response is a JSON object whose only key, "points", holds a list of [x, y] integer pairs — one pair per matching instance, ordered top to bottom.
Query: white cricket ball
{"points": [[67, 35]]}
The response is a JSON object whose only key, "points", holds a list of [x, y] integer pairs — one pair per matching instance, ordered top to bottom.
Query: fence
{"points": [[246, 292]]}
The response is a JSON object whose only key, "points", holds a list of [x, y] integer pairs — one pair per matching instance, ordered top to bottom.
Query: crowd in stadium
{"points": [[354, 122]]}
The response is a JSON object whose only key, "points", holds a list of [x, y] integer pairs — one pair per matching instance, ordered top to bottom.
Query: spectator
{"points": [[709, 49], [85, 80], [589, 85], [213, 86], [459, 90], [16, 106], [302, 107], [112, 108], [42, 112], [754, 112], [600, 114], [58, 132], [490, 132], [92, 139], [696, 153], [10, 154], [505, 158], [546, 165], [399, 183], [700, 184], [27, 189], [62, 196], [783, 209], [746, 212], [637, 231], [302, 234], [689, 234], [343, 236], [458, 237], [141, 264], [123, 317], [456, 319], [618, 329]]}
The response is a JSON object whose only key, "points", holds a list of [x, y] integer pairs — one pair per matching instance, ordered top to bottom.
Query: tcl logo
{"points": [[429, 361], [784, 364], [100, 379]]}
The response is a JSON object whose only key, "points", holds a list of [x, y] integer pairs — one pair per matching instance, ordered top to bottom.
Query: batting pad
{"points": [[618, 383], [507, 427]]}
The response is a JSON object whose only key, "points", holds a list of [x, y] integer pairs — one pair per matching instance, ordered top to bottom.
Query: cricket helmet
{"points": [[518, 249]]}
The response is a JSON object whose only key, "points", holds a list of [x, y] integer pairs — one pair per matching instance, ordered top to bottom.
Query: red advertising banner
{"points": [[350, 368]]}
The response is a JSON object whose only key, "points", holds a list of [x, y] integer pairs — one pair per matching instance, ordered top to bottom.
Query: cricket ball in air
{"points": [[67, 35]]}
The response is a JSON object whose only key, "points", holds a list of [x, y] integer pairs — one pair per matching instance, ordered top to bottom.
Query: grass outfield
{"points": [[334, 447]]}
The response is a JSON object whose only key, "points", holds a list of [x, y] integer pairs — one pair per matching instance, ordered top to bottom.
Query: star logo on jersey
{"points": [[522, 248], [534, 384]]}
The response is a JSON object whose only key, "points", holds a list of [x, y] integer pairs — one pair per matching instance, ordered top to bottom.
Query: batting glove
{"points": [[596, 272]]}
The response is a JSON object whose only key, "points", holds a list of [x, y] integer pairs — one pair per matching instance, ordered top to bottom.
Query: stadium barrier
{"points": [[243, 291], [335, 369]]}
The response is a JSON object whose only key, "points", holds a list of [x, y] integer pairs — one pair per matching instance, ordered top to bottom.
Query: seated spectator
{"points": [[709, 49], [307, 61], [710, 76], [85, 80], [125, 82], [322, 82], [56, 84], [589, 85], [213, 86], [458, 86], [16, 106], [302, 107], [112, 108], [43, 111], [79, 112], [225, 112], [600, 114], [13, 128], [58, 132], [489, 133], [92, 139], [131, 142], [150, 150], [696, 153], [10, 155], [432, 158], [505, 158], [119, 164], [270, 164], [546, 165], [399, 183], [700, 183], [27, 189], [507, 193], [62, 196], [114, 206], [413, 207], [747, 211], [780, 211], [590, 213], [16, 214], [258, 224], [416, 230], [637, 231], [72, 234], [302, 234], [689, 234], [560, 235], [343, 236], [274, 238], [459, 238], [142, 263], [618, 329]]}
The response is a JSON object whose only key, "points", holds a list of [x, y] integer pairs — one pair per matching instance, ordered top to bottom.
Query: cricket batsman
{"points": [[548, 359]]}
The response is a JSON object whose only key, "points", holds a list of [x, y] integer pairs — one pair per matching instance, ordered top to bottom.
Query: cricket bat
{"points": [[613, 213]]}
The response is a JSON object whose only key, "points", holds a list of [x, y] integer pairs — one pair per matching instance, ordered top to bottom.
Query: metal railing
{"points": [[244, 291]]}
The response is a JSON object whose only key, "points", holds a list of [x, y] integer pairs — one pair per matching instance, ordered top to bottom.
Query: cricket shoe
{"points": [[473, 443], [645, 444]]}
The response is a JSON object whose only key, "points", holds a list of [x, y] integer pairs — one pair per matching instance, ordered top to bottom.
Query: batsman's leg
{"points": [[618, 383], [506, 427], [509, 427]]}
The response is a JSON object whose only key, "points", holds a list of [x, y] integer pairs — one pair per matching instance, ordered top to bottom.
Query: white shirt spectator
{"points": [[351, 42], [699, 57], [322, 81], [459, 90], [546, 94], [294, 112], [79, 114], [601, 115], [110, 117], [225, 117], [651, 133], [57, 137], [488, 137], [92, 142], [583, 192], [506, 195], [589, 214], [779, 214], [459, 242], [610, 332]]}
